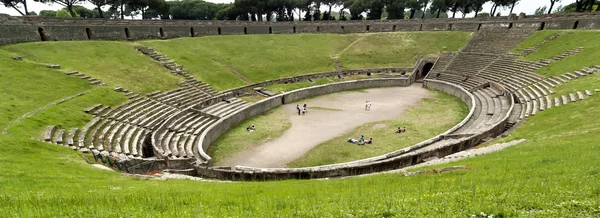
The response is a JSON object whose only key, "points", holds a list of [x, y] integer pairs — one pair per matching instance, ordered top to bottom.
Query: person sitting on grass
{"points": [[250, 128], [399, 130], [370, 141]]}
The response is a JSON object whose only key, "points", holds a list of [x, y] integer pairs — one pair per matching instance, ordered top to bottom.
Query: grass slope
{"points": [[400, 49], [256, 57], [265, 57], [586, 58], [114, 63], [430, 117], [269, 125], [555, 174]]}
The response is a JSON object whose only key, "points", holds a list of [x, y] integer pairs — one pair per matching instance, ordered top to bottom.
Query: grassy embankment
{"points": [[588, 57], [258, 58], [114, 63], [428, 118], [555, 174]]}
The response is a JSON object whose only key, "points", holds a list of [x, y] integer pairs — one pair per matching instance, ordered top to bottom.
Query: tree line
{"points": [[287, 10]]}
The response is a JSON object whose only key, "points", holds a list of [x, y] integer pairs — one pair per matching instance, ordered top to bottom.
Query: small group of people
{"points": [[368, 105], [301, 111], [250, 128], [401, 130], [362, 140]]}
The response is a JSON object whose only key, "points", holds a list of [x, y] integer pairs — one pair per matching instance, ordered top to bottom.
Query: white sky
{"points": [[527, 6]]}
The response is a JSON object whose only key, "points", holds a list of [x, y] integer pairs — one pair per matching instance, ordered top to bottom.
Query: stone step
{"points": [[587, 92], [580, 96], [572, 97], [565, 100], [548, 102], [556, 102], [92, 108], [48, 133], [58, 137], [71, 137]]}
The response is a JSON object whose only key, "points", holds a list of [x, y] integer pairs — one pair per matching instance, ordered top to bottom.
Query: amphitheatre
{"points": [[151, 98]]}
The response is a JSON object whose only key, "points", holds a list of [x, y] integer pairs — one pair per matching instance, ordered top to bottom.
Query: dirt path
{"points": [[231, 70], [340, 114]]}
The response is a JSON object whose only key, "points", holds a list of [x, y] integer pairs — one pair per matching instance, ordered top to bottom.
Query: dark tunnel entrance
{"points": [[426, 68]]}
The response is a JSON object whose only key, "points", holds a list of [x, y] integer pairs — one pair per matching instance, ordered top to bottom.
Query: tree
{"points": [[552, 2], [66, 3], [499, 3], [513, 3], [99, 4], [15, 5], [414, 5], [438, 6], [477, 6], [149, 8], [395, 9], [540, 10], [84, 12], [48, 13], [64, 13]]}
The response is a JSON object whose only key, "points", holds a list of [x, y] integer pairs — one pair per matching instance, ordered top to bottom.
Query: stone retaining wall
{"points": [[30, 28], [235, 92]]}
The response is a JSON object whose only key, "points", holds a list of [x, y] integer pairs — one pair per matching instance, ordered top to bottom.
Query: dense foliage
{"points": [[287, 10]]}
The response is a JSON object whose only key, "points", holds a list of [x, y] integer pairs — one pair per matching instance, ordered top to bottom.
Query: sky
{"points": [[527, 6]]}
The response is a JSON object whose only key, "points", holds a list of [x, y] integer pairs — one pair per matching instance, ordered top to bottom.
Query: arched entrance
{"points": [[42, 34], [426, 68]]}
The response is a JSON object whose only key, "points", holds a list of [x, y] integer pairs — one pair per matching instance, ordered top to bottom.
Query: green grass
{"points": [[537, 37], [400, 49], [256, 57], [266, 57], [586, 58], [114, 63], [589, 82], [430, 117], [269, 125], [555, 174]]}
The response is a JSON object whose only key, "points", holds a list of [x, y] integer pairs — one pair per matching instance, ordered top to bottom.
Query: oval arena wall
{"points": [[394, 160]]}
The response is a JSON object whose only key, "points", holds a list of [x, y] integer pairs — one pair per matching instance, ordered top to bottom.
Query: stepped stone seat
{"points": [[580, 74], [559, 79], [552, 81], [544, 87], [542, 91], [587, 92], [580, 96], [572, 97], [565, 100], [548, 102], [556, 102], [542, 104], [535, 107], [92, 108], [528, 108], [101, 111], [48, 133], [58, 136], [71, 137], [90, 139], [133, 141]]}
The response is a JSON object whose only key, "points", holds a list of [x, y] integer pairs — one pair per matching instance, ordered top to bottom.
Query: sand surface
{"points": [[343, 112]]}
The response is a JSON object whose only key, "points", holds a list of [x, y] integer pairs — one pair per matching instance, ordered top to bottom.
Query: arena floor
{"points": [[334, 115]]}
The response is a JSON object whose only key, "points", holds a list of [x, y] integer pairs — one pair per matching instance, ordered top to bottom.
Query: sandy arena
{"points": [[319, 125]]}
